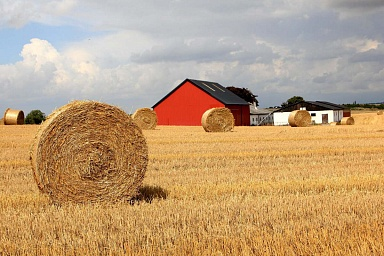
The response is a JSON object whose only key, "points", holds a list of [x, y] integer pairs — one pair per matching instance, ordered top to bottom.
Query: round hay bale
{"points": [[380, 112], [13, 117], [145, 118], [299, 118], [218, 120], [347, 121], [88, 151]]}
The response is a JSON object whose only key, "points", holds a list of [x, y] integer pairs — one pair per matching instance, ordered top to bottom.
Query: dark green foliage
{"points": [[245, 94], [292, 100], [355, 105], [35, 117]]}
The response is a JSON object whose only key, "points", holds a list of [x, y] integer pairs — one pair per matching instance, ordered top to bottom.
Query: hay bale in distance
{"points": [[380, 112], [13, 117], [145, 118], [299, 118], [218, 120], [347, 121], [334, 123], [88, 151]]}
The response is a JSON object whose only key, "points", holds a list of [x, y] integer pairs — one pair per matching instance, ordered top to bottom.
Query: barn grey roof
{"points": [[214, 89], [318, 105], [327, 105], [259, 111]]}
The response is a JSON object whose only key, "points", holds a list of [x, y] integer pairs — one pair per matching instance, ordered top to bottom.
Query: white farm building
{"points": [[322, 112], [260, 116]]}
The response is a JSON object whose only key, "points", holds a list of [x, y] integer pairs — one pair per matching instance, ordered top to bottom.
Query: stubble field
{"points": [[253, 191]]}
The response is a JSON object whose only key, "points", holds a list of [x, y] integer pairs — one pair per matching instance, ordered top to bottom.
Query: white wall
{"points": [[337, 115], [316, 117], [280, 118]]}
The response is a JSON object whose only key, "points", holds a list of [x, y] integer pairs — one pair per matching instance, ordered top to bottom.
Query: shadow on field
{"points": [[148, 193]]}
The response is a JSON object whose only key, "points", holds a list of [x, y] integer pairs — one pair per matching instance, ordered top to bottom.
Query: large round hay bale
{"points": [[380, 112], [13, 117], [145, 118], [299, 118], [218, 120], [347, 121], [88, 151]]}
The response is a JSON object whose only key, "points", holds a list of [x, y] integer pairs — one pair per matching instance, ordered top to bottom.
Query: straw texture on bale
{"points": [[380, 112], [13, 117], [145, 118], [299, 118], [218, 120], [347, 121], [88, 151]]}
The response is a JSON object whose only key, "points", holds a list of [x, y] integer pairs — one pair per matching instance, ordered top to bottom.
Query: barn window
{"points": [[313, 114]]}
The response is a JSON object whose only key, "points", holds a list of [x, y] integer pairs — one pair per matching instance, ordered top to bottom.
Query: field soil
{"points": [[314, 190]]}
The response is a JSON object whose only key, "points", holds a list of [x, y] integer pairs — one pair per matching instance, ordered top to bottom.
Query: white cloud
{"points": [[17, 13], [361, 44], [141, 50]]}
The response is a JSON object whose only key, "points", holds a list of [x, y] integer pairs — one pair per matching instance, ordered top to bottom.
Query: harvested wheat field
{"points": [[371, 118], [254, 191]]}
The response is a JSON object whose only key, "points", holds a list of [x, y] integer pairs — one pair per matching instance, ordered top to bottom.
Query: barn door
{"points": [[237, 116], [324, 118]]}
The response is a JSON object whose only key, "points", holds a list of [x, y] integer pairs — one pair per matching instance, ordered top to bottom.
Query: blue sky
{"points": [[132, 53]]}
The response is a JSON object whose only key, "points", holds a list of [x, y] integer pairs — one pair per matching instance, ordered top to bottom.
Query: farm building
{"points": [[186, 103], [322, 112], [261, 116]]}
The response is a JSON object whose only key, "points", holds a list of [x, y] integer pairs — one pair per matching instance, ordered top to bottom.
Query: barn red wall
{"points": [[185, 106], [346, 113], [241, 114]]}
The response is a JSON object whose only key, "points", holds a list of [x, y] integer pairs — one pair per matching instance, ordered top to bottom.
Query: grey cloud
{"points": [[356, 4], [17, 13], [275, 48], [207, 50], [371, 55], [321, 79]]}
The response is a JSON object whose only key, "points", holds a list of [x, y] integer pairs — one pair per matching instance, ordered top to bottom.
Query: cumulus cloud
{"points": [[355, 8], [17, 13], [141, 50]]}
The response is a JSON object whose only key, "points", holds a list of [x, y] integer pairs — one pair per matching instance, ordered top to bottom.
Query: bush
{"points": [[35, 117]]}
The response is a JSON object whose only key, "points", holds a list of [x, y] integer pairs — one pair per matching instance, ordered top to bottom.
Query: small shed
{"points": [[186, 103], [322, 112], [261, 116]]}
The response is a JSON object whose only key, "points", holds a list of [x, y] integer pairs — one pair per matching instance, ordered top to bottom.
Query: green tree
{"points": [[245, 94], [292, 100], [35, 117]]}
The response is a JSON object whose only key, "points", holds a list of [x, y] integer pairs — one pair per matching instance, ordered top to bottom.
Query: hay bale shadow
{"points": [[148, 193]]}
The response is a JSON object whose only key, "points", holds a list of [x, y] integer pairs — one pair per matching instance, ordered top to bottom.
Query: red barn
{"points": [[186, 104]]}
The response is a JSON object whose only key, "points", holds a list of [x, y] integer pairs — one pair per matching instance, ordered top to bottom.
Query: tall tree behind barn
{"points": [[245, 94]]}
